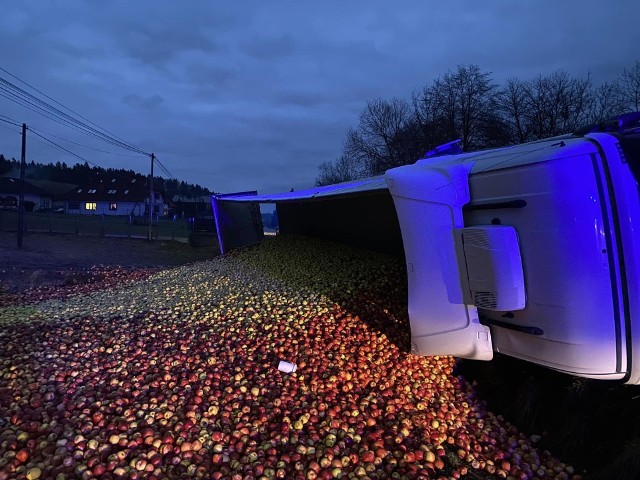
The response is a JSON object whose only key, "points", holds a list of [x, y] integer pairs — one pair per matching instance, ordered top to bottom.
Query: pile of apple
{"points": [[77, 282], [176, 376]]}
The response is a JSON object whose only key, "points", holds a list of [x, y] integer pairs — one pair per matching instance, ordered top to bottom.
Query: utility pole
{"points": [[23, 166], [151, 202]]}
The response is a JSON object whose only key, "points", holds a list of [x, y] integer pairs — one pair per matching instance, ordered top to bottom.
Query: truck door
{"points": [[574, 317]]}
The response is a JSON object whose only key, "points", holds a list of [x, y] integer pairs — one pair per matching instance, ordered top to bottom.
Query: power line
{"points": [[21, 96], [26, 96], [27, 100], [60, 104], [36, 105], [35, 108], [9, 118], [9, 121], [15, 122], [9, 128], [36, 130], [51, 142], [85, 146], [62, 148], [164, 169]]}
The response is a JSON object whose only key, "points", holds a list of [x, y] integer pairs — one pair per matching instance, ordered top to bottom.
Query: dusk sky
{"points": [[255, 95]]}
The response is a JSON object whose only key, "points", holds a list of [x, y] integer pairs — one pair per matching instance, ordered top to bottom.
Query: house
{"points": [[56, 189], [114, 195], [35, 198]]}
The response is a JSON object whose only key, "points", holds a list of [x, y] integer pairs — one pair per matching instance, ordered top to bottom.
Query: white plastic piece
{"points": [[428, 200], [494, 278], [287, 367]]}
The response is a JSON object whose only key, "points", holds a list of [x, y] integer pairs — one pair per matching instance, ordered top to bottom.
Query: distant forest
{"points": [[467, 104], [83, 173]]}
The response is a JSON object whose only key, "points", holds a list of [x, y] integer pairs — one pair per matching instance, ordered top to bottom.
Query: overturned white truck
{"points": [[530, 250]]}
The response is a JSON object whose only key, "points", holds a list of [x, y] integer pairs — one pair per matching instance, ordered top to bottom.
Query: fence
{"points": [[97, 225]]}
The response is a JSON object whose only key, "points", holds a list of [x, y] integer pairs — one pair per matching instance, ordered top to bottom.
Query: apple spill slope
{"points": [[75, 282], [175, 376]]}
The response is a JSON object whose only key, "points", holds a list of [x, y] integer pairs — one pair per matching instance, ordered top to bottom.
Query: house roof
{"points": [[12, 186], [54, 188], [109, 188]]}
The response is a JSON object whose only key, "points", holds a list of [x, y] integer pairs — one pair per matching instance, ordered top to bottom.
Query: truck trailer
{"points": [[531, 250]]}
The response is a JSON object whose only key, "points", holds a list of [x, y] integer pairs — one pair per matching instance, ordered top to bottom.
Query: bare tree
{"points": [[629, 88], [606, 102], [460, 104], [466, 104], [512, 104], [556, 104], [434, 115], [378, 142], [343, 169]]}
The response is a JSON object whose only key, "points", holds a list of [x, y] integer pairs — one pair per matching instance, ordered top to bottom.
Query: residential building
{"points": [[115, 195], [35, 198]]}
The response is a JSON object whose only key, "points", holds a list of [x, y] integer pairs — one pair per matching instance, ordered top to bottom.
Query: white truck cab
{"points": [[532, 251]]}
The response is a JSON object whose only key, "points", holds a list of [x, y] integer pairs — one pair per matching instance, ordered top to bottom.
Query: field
{"points": [[96, 225], [56, 260], [156, 372]]}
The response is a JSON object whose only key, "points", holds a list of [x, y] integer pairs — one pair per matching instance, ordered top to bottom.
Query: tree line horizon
{"points": [[467, 104], [83, 173]]}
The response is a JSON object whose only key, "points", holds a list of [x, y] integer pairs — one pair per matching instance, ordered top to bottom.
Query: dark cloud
{"points": [[157, 46], [269, 48], [76, 52], [207, 76], [255, 95], [302, 99], [151, 102]]}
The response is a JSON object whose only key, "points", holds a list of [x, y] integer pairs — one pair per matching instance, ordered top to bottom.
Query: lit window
{"points": [[113, 180], [133, 181], [79, 190], [93, 190], [112, 191], [126, 192], [90, 206], [113, 207]]}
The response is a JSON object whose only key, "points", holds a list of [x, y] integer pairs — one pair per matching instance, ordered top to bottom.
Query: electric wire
{"points": [[19, 94], [26, 96], [27, 100], [34, 104], [60, 104], [34, 108], [9, 118], [9, 121], [9, 128], [83, 145], [66, 150], [83, 158], [165, 169]]}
